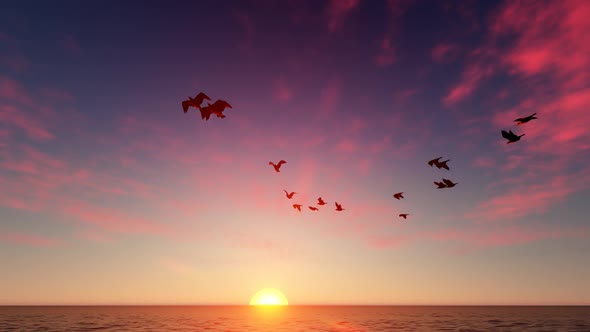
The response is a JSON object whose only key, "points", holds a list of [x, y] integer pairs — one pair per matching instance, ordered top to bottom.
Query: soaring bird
{"points": [[194, 102], [218, 107], [206, 112], [525, 119], [510, 136], [434, 161], [443, 164], [277, 166], [449, 183], [440, 185], [289, 195], [398, 195], [321, 201], [297, 206], [338, 207], [313, 208], [404, 215]]}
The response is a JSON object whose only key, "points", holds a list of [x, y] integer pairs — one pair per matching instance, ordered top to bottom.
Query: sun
{"points": [[269, 296]]}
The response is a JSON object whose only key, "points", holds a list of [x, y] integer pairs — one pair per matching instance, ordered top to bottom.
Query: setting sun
{"points": [[269, 296]]}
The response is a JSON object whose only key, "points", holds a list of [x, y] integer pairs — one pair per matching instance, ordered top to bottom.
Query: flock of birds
{"points": [[219, 106]]}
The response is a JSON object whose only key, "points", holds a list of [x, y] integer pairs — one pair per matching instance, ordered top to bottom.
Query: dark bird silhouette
{"points": [[194, 102], [218, 107], [206, 112], [525, 119], [510, 136], [434, 161], [443, 164], [277, 166], [449, 183], [440, 185], [289, 195], [398, 195], [321, 201], [297, 206], [338, 207], [313, 208], [404, 215]]}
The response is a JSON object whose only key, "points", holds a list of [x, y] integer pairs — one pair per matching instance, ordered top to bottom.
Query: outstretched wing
{"points": [[202, 96], [185, 105], [506, 135], [281, 162], [448, 182]]}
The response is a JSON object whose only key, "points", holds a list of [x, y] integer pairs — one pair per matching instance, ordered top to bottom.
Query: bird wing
{"points": [[202, 96], [185, 105], [519, 120], [506, 135], [281, 162], [448, 182]]}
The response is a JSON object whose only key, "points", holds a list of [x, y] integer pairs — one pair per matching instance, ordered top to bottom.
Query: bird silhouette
{"points": [[194, 102], [218, 107], [206, 112], [525, 119], [510, 136], [434, 161], [443, 164], [277, 166], [449, 183], [440, 185], [289, 195], [398, 195], [321, 201], [297, 206], [338, 207], [313, 208], [404, 215]]}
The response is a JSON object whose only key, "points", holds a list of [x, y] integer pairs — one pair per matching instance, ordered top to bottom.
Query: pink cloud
{"points": [[338, 10], [444, 52], [386, 55], [471, 77], [13, 91], [282, 91], [402, 96], [329, 97], [20, 119], [347, 146], [483, 162], [28, 240]]}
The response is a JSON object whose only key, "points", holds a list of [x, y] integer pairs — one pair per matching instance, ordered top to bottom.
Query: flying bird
{"points": [[194, 102], [218, 107], [206, 112], [525, 119], [510, 136], [434, 161], [443, 164], [277, 166], [449, 183], [440, 185], [289, 195], [398, 195], [321, 201], [297, 206], [338, 207], [313, 208], [404, 215]]}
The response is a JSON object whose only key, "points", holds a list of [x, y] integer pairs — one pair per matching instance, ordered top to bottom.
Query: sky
{"points": [[110, 194]]}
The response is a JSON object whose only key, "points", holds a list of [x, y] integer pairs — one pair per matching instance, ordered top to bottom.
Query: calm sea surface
{"points": [[295, 318]]}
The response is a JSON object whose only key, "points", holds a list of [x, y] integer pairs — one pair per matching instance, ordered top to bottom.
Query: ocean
{"points": [[295, 318]]}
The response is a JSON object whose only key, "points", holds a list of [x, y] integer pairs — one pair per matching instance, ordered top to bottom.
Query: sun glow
{"points": [[269, 296]]}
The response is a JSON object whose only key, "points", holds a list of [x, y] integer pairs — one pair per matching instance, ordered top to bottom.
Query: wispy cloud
{"points": [[337, 11]]}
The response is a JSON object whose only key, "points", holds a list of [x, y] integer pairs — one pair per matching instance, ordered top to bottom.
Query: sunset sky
{"points": [[110, 194]]}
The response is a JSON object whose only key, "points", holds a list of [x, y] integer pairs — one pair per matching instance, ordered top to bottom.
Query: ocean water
{"points": [[295, 318]]}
